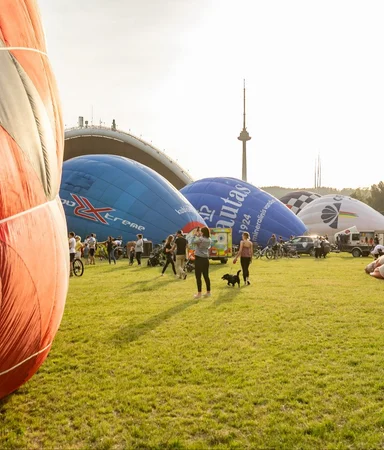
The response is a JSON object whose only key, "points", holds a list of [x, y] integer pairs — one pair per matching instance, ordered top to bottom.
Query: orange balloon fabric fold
{"points": [[34, 264]]}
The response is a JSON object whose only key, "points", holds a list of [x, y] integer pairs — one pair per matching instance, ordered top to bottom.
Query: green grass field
{"points": [[294, 361]]}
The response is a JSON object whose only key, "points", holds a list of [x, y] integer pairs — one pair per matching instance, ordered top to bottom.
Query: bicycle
{"points": [[266, 251], [277, 251], [289, 251], [118, 252], [77, 267]]}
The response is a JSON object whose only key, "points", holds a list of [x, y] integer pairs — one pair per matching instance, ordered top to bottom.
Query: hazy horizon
{"points": [[172, 72]]}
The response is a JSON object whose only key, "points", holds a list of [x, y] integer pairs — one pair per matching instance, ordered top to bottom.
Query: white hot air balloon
{"points": [[332, 213]]}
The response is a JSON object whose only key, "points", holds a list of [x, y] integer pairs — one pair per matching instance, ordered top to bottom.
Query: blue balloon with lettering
{"points": [[115, 196], [233, 203]]}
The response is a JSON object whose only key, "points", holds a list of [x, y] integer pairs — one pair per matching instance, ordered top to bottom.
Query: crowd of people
{"points": [[322, 246], [87, 248], [177, 250]]}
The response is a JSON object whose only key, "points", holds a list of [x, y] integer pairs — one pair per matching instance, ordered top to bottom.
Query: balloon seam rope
{"points": [[29, 49], [20, 214], [25, 360]]}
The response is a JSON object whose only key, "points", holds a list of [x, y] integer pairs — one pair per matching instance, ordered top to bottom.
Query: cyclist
{"points": [[272, 241]]}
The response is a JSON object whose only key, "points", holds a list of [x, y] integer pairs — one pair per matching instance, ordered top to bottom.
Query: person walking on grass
{"points": [[202, 241], [181, 247], [317, 247], [139, 248], [92, 249], [111, 249], [86, 250], [72, 251], [245, 252], [131, 255], [169, 255]]}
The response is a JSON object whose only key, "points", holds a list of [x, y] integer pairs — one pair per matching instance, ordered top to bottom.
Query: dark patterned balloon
{"points": [[298, 200]]}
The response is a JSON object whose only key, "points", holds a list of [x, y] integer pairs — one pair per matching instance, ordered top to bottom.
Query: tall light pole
{"points": [[244, 137]]}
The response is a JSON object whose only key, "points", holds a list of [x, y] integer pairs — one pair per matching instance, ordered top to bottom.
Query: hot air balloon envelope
{"points": [[115, 196], [298, 200], [232, 203], [332, 213], [34, 260]]}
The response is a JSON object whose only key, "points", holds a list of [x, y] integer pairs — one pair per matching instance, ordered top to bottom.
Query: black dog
{"points": [[232, 279]]}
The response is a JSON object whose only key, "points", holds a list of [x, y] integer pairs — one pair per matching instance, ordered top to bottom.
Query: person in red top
{"points": [[245, 252]]}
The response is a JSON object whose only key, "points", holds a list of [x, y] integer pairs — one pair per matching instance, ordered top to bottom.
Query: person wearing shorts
{"points": [[180, 246], [92, 249], [72, 251]]}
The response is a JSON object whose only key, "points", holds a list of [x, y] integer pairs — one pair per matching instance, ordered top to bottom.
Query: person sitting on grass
{"points": [[377, 251], [376, 268]]}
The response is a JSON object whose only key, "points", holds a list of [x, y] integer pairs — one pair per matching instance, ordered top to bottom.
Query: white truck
{"points": [[358, 243]]}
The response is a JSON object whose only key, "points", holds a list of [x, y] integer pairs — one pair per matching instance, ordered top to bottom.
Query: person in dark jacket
{"points": [[169, 255]]}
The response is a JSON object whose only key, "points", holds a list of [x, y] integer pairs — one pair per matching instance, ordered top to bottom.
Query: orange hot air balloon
{"points": [[34, 264]]}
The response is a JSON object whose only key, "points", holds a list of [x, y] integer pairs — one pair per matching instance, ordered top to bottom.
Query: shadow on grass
{"points": [[128, 268], [150, 285], [227, 296], [132, 333], [5, 400]]}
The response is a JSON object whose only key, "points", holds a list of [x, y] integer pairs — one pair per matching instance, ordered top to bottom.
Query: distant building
{"points": [[91, 140]]}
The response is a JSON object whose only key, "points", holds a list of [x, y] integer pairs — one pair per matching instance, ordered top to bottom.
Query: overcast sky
{"points": [[172, 72]]}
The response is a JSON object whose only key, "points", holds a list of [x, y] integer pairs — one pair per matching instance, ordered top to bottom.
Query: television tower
{"points": [[244, 137], [318, 172]]}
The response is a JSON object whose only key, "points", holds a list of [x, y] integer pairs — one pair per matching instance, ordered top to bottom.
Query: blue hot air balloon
{"points": [[115, 196], [229, 202]]}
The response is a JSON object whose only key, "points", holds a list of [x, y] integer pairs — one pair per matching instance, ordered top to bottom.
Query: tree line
{"points": [[373, 196]]}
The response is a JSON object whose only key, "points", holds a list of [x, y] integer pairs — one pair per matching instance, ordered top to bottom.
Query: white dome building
{"points": [[86, 140]]}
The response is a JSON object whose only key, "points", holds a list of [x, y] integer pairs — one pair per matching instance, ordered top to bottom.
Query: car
{"points": [[304, 245]]}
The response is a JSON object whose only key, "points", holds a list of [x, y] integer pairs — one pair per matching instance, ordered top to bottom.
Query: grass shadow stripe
{"points": [[133, 333]]}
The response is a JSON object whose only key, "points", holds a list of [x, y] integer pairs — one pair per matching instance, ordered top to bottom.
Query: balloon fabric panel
{"points": [[18, 15], [23, 117], [16, 169], [145, 202], [232, 203], [32, 295], [30, 316]]}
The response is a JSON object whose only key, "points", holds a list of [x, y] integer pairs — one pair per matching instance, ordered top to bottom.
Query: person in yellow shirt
{"points": [[78, 247]]}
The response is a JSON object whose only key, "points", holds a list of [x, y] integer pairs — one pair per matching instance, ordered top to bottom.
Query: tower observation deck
{"points": [[244, 137]]}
